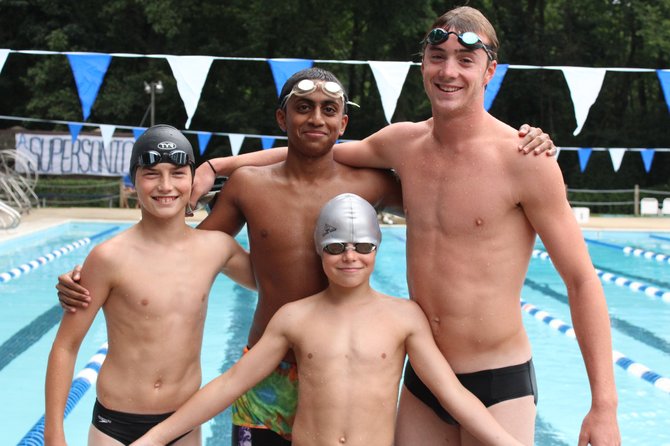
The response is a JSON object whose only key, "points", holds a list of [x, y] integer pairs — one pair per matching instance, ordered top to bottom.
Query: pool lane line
{"points": [[660, 237], [637, 252], [53, 255], [621, 281], [638, 333], [23, 339], [634, 368], [80, 385]]}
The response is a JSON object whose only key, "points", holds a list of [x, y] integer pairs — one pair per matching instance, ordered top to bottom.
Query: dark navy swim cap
{"points": [[161, 140]]}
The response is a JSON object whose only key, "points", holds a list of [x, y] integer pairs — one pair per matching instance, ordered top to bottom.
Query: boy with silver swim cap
{"points": [[161, 143], [347, 218]]}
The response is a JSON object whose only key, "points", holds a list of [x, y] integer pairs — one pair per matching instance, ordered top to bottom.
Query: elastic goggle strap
{"points": [[468, 39], [152, 157]]}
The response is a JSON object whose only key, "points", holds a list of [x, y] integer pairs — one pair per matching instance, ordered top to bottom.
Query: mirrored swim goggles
{"points": [[468, 39], [309, 86], [152, 157], [339, 248]]}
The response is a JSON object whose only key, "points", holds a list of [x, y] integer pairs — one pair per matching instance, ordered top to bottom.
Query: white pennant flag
{"points": [[3, 58], [190, 73], [390, 77], [584, 84], [107, 132], [236, 141], [617, 156]]}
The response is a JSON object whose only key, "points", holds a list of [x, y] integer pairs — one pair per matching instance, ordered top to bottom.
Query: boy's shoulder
{"points": [[209, 238]]}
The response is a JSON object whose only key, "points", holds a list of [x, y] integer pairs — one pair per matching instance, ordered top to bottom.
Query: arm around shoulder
{"points": [[377, 150]]}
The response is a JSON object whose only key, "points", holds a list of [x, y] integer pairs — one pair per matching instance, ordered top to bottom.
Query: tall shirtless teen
{"points": [[473, 209]]}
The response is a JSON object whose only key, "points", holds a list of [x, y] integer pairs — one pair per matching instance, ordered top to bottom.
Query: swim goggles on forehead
{"points": [[468, 39], [309, 86], [152, 157], [339, 248]]}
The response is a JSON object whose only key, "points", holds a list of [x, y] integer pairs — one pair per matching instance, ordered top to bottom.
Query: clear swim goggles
{"points": [[468, 39], [309, 86], [152, 157], [339, 248]]}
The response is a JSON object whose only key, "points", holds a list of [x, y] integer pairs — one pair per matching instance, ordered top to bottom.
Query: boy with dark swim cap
{"points": [[154, 310], [350, 343]]}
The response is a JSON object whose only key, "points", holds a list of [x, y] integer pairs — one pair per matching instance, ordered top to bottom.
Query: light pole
{"points": [[152, 88]]}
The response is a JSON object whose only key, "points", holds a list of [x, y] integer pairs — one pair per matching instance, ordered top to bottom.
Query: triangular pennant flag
{"points": [[3, 58], [282, 69], [89, 71], [190, 73], [390, 77], [664, 78], [584, 84], [494, 85], [74, 130], [137, 131], [107, 132], [203, 140], [236, 140], [267, 142], [616, 154], [584, 155], [647, 158]]}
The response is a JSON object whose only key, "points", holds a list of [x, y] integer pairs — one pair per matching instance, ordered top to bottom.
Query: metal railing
{"points": [[625, 201]]}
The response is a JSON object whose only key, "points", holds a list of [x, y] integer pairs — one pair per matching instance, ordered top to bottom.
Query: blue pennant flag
{"points": [[282, 69], [89, 71], [664, 78], [494, 85], [74, 130], [137, 131], [203, 140], [267, 142], [584, 155], [647, 158]]}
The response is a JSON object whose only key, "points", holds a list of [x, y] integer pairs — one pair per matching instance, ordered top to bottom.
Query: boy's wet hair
{"points": [[464, 19], [314, 73]]}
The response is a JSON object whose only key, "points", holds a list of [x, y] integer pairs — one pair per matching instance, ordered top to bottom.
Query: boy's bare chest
{"points": [[455, 192], [162, 284], [361, 343]]}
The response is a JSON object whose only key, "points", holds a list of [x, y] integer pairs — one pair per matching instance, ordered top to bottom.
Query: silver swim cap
{"points": [[347, 218]]}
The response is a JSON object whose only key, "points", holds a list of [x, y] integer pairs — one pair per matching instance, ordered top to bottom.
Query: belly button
{"points": [[479, 222], [436, 320], [158, 384], [343, 440]]}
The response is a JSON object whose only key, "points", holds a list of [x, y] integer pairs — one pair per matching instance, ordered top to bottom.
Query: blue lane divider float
{"points": [[637, 252], [53, 255], [621, 281], [634, 368], [81, 383]]}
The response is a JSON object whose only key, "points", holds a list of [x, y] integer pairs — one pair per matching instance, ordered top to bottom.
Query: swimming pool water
{"points": [[640, 330]]}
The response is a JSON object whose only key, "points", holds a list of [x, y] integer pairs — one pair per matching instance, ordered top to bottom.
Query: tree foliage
{"points": [[240, 97]]}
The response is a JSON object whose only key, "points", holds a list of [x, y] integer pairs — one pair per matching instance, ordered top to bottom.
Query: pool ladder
{"points": [[18, 178]]}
